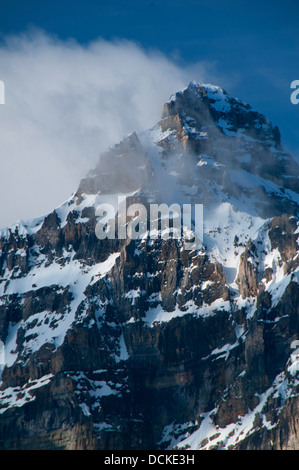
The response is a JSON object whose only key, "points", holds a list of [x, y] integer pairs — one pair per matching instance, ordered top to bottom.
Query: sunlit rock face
{"points": [[143, 344]]}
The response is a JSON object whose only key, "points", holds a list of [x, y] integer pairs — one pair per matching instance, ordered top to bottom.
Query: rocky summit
{"points": [[125, 343]]}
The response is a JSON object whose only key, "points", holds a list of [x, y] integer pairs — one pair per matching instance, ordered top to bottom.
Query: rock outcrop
{"points": [[143, 344]]}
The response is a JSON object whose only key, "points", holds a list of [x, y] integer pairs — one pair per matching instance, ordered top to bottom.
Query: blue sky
{"points": [[253, 44], [250, 48]]}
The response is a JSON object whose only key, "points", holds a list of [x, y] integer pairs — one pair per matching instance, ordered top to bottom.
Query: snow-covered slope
{"points": [[141, 343]]}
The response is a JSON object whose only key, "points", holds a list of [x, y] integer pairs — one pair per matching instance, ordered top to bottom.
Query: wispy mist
{"points": [[65, 104]]}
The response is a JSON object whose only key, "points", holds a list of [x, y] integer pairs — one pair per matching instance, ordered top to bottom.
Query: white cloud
{"points": [[66, 103]]}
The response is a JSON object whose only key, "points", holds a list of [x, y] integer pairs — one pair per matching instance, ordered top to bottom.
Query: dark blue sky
{"points": [[253, 44]]}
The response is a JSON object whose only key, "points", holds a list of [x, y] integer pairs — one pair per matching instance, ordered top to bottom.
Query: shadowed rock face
{"points": [[142, 344]]}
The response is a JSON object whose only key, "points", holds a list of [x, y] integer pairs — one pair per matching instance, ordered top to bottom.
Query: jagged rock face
{"points": [[233, 145], [125, 167], [142, 344]]}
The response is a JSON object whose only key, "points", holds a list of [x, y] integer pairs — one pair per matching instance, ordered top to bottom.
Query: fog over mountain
{"points": [[66, 103], [121, 344]]}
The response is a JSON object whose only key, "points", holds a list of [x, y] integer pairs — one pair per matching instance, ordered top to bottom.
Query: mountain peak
{"points": [[199, 89], [208, 104], [208, 145], [97, 334]]}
